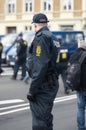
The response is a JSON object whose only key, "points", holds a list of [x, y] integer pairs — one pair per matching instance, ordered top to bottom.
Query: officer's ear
{"points": [[35, 25]]}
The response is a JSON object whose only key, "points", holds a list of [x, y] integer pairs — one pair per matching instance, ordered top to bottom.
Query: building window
{"points": [[66, 4], [28, 5], [47, 5], [11, 6], [66, 27], [28, 28], [11, 30]]}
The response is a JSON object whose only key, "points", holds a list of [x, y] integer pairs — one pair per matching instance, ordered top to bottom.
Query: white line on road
{"points": [[9, 73], [65, 98], [57, 100], [11, 101], [15, 106], [12, 111]]}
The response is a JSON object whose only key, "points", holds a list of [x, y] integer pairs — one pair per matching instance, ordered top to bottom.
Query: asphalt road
{"points": [[15, 113]]}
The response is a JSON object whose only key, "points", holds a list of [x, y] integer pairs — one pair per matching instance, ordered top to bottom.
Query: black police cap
{"points": [[40, 18], [20, 34]]}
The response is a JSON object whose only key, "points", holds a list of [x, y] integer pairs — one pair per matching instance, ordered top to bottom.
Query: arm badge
{"points": [[38, 50]]}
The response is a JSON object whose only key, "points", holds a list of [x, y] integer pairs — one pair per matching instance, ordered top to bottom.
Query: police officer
{"points": [[1, 50], [63, 58], [20, 59], [44, 83]]}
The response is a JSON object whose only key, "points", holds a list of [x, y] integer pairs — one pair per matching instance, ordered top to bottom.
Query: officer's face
{"points": [[38, 26], [19, 37]]}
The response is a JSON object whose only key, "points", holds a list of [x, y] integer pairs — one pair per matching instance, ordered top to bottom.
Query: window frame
{"points": [[47, 2], [66, 4], [11, 6], [28, 10]]}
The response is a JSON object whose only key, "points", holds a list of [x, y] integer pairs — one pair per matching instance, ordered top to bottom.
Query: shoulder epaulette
{"points": [[47, 33], [39, 34], [25, 42]]}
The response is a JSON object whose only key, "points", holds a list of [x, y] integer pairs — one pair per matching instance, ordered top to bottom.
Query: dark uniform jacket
{"points": [[1, 49], [21, 49], [76, 55], [63, 57], [39, 66]]}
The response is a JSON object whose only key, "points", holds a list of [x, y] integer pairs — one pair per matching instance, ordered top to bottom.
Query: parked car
{"points": [[1, 36], [70, 39], [7, 42]]}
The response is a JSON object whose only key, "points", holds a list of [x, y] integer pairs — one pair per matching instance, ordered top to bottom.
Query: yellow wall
{"points": [[37, 4], [2, 6], [56, 8], [77, 8], [2, 9], [19, 9]]}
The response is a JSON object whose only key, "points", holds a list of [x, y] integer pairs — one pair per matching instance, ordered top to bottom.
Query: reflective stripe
{"points": [[64, 50], [58, 58]]}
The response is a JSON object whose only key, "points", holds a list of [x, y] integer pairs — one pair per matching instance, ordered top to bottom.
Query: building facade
{"points": [[16, 15]]}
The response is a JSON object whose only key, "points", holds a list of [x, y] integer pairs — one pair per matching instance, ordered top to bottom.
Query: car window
{"points": [[28, 36], [8, 39]]}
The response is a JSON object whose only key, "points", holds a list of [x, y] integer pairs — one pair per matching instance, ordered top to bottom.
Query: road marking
{"points": [[9, 71], [65, 98], [11, 101], [15, 106], [25, 106], [12, 111]]}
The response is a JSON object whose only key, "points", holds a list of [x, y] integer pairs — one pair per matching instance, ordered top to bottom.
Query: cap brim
{"points": [[40, 22]]}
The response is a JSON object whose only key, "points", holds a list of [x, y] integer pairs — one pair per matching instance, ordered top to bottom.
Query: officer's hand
{"points": [[30, 97]]}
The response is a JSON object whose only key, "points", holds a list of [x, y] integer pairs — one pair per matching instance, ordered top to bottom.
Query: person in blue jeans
{"points": [[81, 91], [81, 102]]}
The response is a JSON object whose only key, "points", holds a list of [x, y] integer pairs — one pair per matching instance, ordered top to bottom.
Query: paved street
{"points": [[14, 107]]}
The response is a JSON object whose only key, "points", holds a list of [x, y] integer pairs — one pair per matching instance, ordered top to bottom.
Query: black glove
{"points": [[30, 97]]}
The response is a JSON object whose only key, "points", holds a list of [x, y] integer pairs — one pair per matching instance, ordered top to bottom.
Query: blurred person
{"points": [[1, 50], [20, 59], [62, 64], [26, 78], [44, 82], [81, 90], [81, 93]]}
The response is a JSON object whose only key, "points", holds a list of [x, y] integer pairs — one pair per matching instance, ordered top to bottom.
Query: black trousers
{"points": [[19, 63], [0, 66], [41, 108]]}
